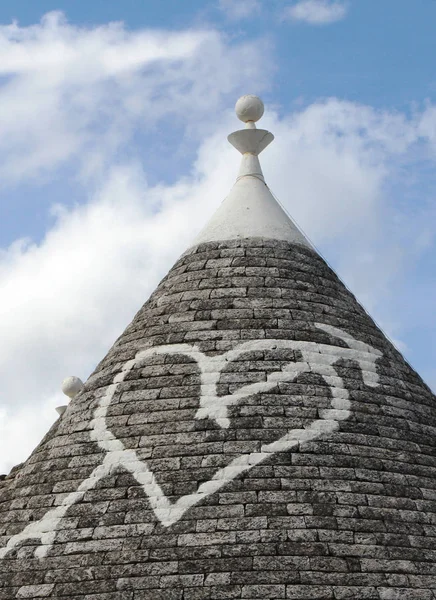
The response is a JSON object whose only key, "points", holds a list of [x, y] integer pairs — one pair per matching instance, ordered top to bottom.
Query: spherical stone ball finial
{"points": [[249, 108], [71, 386]]}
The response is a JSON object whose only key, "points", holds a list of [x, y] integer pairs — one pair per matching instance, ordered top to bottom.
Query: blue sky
{"points": [[380, 53], [113, 124]]}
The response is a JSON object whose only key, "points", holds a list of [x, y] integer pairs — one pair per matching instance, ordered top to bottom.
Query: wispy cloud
{"points": [[237, 10], [317, 12], [72, 93]]}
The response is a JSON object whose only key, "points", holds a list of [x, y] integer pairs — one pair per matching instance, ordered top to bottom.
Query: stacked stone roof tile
{"points": [[251, 434]]}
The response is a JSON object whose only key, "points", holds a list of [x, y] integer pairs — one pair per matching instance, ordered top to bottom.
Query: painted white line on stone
{"points": [[214, 407]]}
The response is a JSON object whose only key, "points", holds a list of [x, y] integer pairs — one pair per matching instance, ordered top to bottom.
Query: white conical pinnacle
{"points": [[250, 210]]}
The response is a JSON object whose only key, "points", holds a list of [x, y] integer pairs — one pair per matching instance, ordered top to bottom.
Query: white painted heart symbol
{"points": [[317, 358]]}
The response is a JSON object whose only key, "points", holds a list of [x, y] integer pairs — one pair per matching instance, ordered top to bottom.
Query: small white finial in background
{"points": [[249, 108], [71, 386]]}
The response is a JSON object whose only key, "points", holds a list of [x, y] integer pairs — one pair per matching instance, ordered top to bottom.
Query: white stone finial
{"points": [[249, 108], [250, 141], [250, 210], [71, 386]]}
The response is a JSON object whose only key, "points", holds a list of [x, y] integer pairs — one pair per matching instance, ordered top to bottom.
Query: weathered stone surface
{"points": [[348, 514]]}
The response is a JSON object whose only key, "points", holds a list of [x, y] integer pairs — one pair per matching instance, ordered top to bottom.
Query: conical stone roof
{"points": [[252, 434]]}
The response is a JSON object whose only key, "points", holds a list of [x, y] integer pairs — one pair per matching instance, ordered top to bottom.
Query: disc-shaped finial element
{"points": [[249, 108], [71, 386]]}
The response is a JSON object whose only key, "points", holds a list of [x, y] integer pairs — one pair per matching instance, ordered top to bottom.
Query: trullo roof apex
{"points": [[250, 210]]}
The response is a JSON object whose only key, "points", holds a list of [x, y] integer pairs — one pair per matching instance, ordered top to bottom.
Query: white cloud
{"points": [[240, 9], [317, 12], [71, 93], [351, 169], [65, 300]]}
